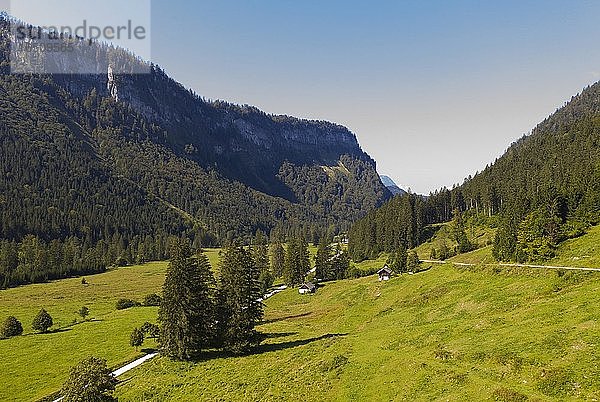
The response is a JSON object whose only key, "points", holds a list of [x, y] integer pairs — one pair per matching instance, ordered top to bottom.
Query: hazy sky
{"points": [[434, 90]]}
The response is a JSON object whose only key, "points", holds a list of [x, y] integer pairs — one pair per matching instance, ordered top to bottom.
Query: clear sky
{"points": [[434, 90]]}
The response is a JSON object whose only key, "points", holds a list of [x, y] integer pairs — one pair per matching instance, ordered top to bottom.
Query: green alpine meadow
{"points": [[299, 201]]}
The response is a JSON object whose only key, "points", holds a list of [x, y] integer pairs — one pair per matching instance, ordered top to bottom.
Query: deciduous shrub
{"points": [[123, 304], [11, 327]]}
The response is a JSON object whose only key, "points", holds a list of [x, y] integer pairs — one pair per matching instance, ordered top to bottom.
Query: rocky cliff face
{"points": [[242, 142], [232, 145]]}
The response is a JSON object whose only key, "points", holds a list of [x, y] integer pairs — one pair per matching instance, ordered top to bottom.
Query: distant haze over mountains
{"points": [[391, 185]]}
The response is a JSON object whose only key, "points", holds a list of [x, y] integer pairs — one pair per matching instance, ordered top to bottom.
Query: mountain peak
{"points": [[391, 185]]}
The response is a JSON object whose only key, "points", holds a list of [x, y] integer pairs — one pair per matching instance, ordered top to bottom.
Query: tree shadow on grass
{"points": [[289, 317], [66, 329], [50, 332], [279, 334], [274, 347], [263, 348]]}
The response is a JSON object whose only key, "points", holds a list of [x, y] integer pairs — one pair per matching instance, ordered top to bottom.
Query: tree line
{"points": [[35, 260]]}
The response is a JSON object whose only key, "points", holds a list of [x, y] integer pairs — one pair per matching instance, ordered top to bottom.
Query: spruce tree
{"points": [[459, 233], [260, 253], [304, 258], [277, 259], [323, 261], [397, 261], [297, 262], [412, 262], [340, 264], [240, 308], [186, 313], [11, 327]]}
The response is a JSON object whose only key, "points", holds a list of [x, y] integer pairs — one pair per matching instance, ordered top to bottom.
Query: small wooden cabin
{"points": [[385, 273], [307, 287]]}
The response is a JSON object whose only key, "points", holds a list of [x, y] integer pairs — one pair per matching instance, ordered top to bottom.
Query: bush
{"points": [[152, 300], [123, 304], [83, 312], [42, 321], [11, 327], [150, 330], [136, 339], [90, 380], [508, 395]]}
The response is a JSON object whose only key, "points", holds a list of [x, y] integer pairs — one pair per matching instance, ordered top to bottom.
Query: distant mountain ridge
{"points": [[142, 155], [391, 185]]}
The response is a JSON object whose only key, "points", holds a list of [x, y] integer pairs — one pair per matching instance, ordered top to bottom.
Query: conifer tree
{"points": [[460, 236], [260, 253], [277, 259], [323, 261], [397, 261], [412, 261], [297, 262], [340, 264], [240, 308], [186, 313], [11, 327]]}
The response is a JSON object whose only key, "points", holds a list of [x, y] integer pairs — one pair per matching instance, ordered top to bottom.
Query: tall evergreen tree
{"points": [[459, 233], [260, 253], [277, 259], [323, 260], [397, 261], [412, 261], [297, 262], [340, 264], [240, 308], [186, 313]]}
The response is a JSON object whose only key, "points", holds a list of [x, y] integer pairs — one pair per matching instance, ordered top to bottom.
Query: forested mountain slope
{"points": [[129, 159], [544, 189]]}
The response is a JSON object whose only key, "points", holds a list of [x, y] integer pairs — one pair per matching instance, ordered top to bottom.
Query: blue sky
{"points": [[434, 90]]}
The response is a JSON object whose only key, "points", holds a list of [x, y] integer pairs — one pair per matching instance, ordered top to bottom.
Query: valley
{"points": [[159, 244], [443, 333]]}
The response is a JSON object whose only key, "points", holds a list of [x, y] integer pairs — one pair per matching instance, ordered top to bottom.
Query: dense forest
{"points": [[112, 160], [543, 190]]}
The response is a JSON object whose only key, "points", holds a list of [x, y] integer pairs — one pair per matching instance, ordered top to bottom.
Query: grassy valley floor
{"points": [[450, 333], [445, 334]]}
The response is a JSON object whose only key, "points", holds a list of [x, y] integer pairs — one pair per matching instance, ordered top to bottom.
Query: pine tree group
{"points": [[196, 314]]}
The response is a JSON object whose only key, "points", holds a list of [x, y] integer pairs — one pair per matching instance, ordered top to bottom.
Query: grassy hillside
{"points": [[479, 234], [583, 251], [446, 334], [35, 365]]}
